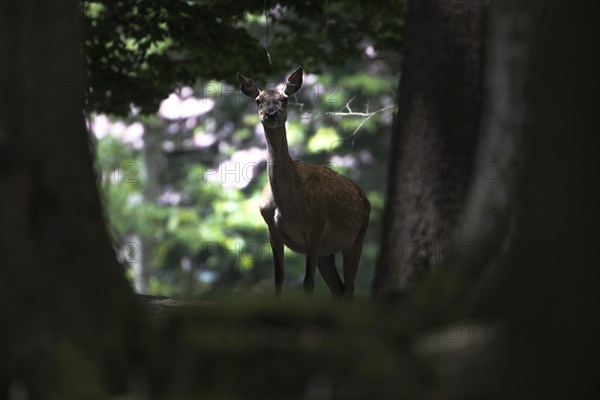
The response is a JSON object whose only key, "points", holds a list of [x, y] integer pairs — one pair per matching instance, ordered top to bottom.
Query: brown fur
{"points": [[309, 208]]}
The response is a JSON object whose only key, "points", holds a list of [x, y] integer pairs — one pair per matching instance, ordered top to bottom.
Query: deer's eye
{"points": [[258, 102]]}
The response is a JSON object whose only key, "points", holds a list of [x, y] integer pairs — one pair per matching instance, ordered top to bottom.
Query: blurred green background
{"points": [[181, 158]]}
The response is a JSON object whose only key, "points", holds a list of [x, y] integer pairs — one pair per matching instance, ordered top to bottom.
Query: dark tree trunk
{"points": [[542, 132], [434, 138], [553, 282], [65, 304]]}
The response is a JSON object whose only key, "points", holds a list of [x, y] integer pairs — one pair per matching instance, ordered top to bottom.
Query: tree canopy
{"points": [[139, 51]]}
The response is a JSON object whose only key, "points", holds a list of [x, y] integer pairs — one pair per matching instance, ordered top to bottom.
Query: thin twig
{"points": [[267, 41], [347, 106], [357, 114], [367, 115]]}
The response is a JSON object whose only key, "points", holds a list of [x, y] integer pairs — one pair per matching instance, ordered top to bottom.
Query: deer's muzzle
{"points": [[270, 114]]}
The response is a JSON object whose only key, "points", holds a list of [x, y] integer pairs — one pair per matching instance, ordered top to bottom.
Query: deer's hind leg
{"points": [[351, 257], [330, 275]]}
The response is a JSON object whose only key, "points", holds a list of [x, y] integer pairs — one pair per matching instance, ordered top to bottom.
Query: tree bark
{"points": [[434, 138], [154, 164], [541, 217], [553, 282], [63, 294]]}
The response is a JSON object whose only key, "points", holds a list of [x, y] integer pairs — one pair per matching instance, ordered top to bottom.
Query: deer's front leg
{"points": [[277, 249], [312, 255]]}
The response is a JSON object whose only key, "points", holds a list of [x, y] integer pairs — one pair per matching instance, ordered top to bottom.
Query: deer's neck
{"points": [[280, 168]]}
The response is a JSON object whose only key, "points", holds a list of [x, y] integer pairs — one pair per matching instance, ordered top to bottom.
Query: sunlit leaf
{"points": [[326, 138]]}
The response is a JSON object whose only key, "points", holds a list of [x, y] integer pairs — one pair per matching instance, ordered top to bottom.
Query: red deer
{"points": [[309, 208]]}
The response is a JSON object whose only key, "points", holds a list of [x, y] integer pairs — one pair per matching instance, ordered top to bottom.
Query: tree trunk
{"points": [[542, 133], [434, 138], [154, 164], [553, 282], [65, 303]]}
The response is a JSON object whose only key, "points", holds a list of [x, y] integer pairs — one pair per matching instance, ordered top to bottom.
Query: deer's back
{"points": [[326, 190], [322, 197]]}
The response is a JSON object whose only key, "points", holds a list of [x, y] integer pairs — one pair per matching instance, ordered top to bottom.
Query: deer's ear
{"points": [[294, 82], [247, 86]]}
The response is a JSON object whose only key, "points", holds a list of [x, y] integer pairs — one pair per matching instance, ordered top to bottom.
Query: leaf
{"points": [[326, 138]]}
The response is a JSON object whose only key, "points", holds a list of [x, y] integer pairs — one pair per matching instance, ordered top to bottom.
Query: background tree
{"points": [[434, 138]]}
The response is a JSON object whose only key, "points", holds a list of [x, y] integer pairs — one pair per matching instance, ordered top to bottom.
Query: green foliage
{"points": [[139, 51], [364, 82], [326, 138], [204, 232]]}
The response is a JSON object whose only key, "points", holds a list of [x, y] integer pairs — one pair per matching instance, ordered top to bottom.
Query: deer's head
{"points": [[272, 103]]}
